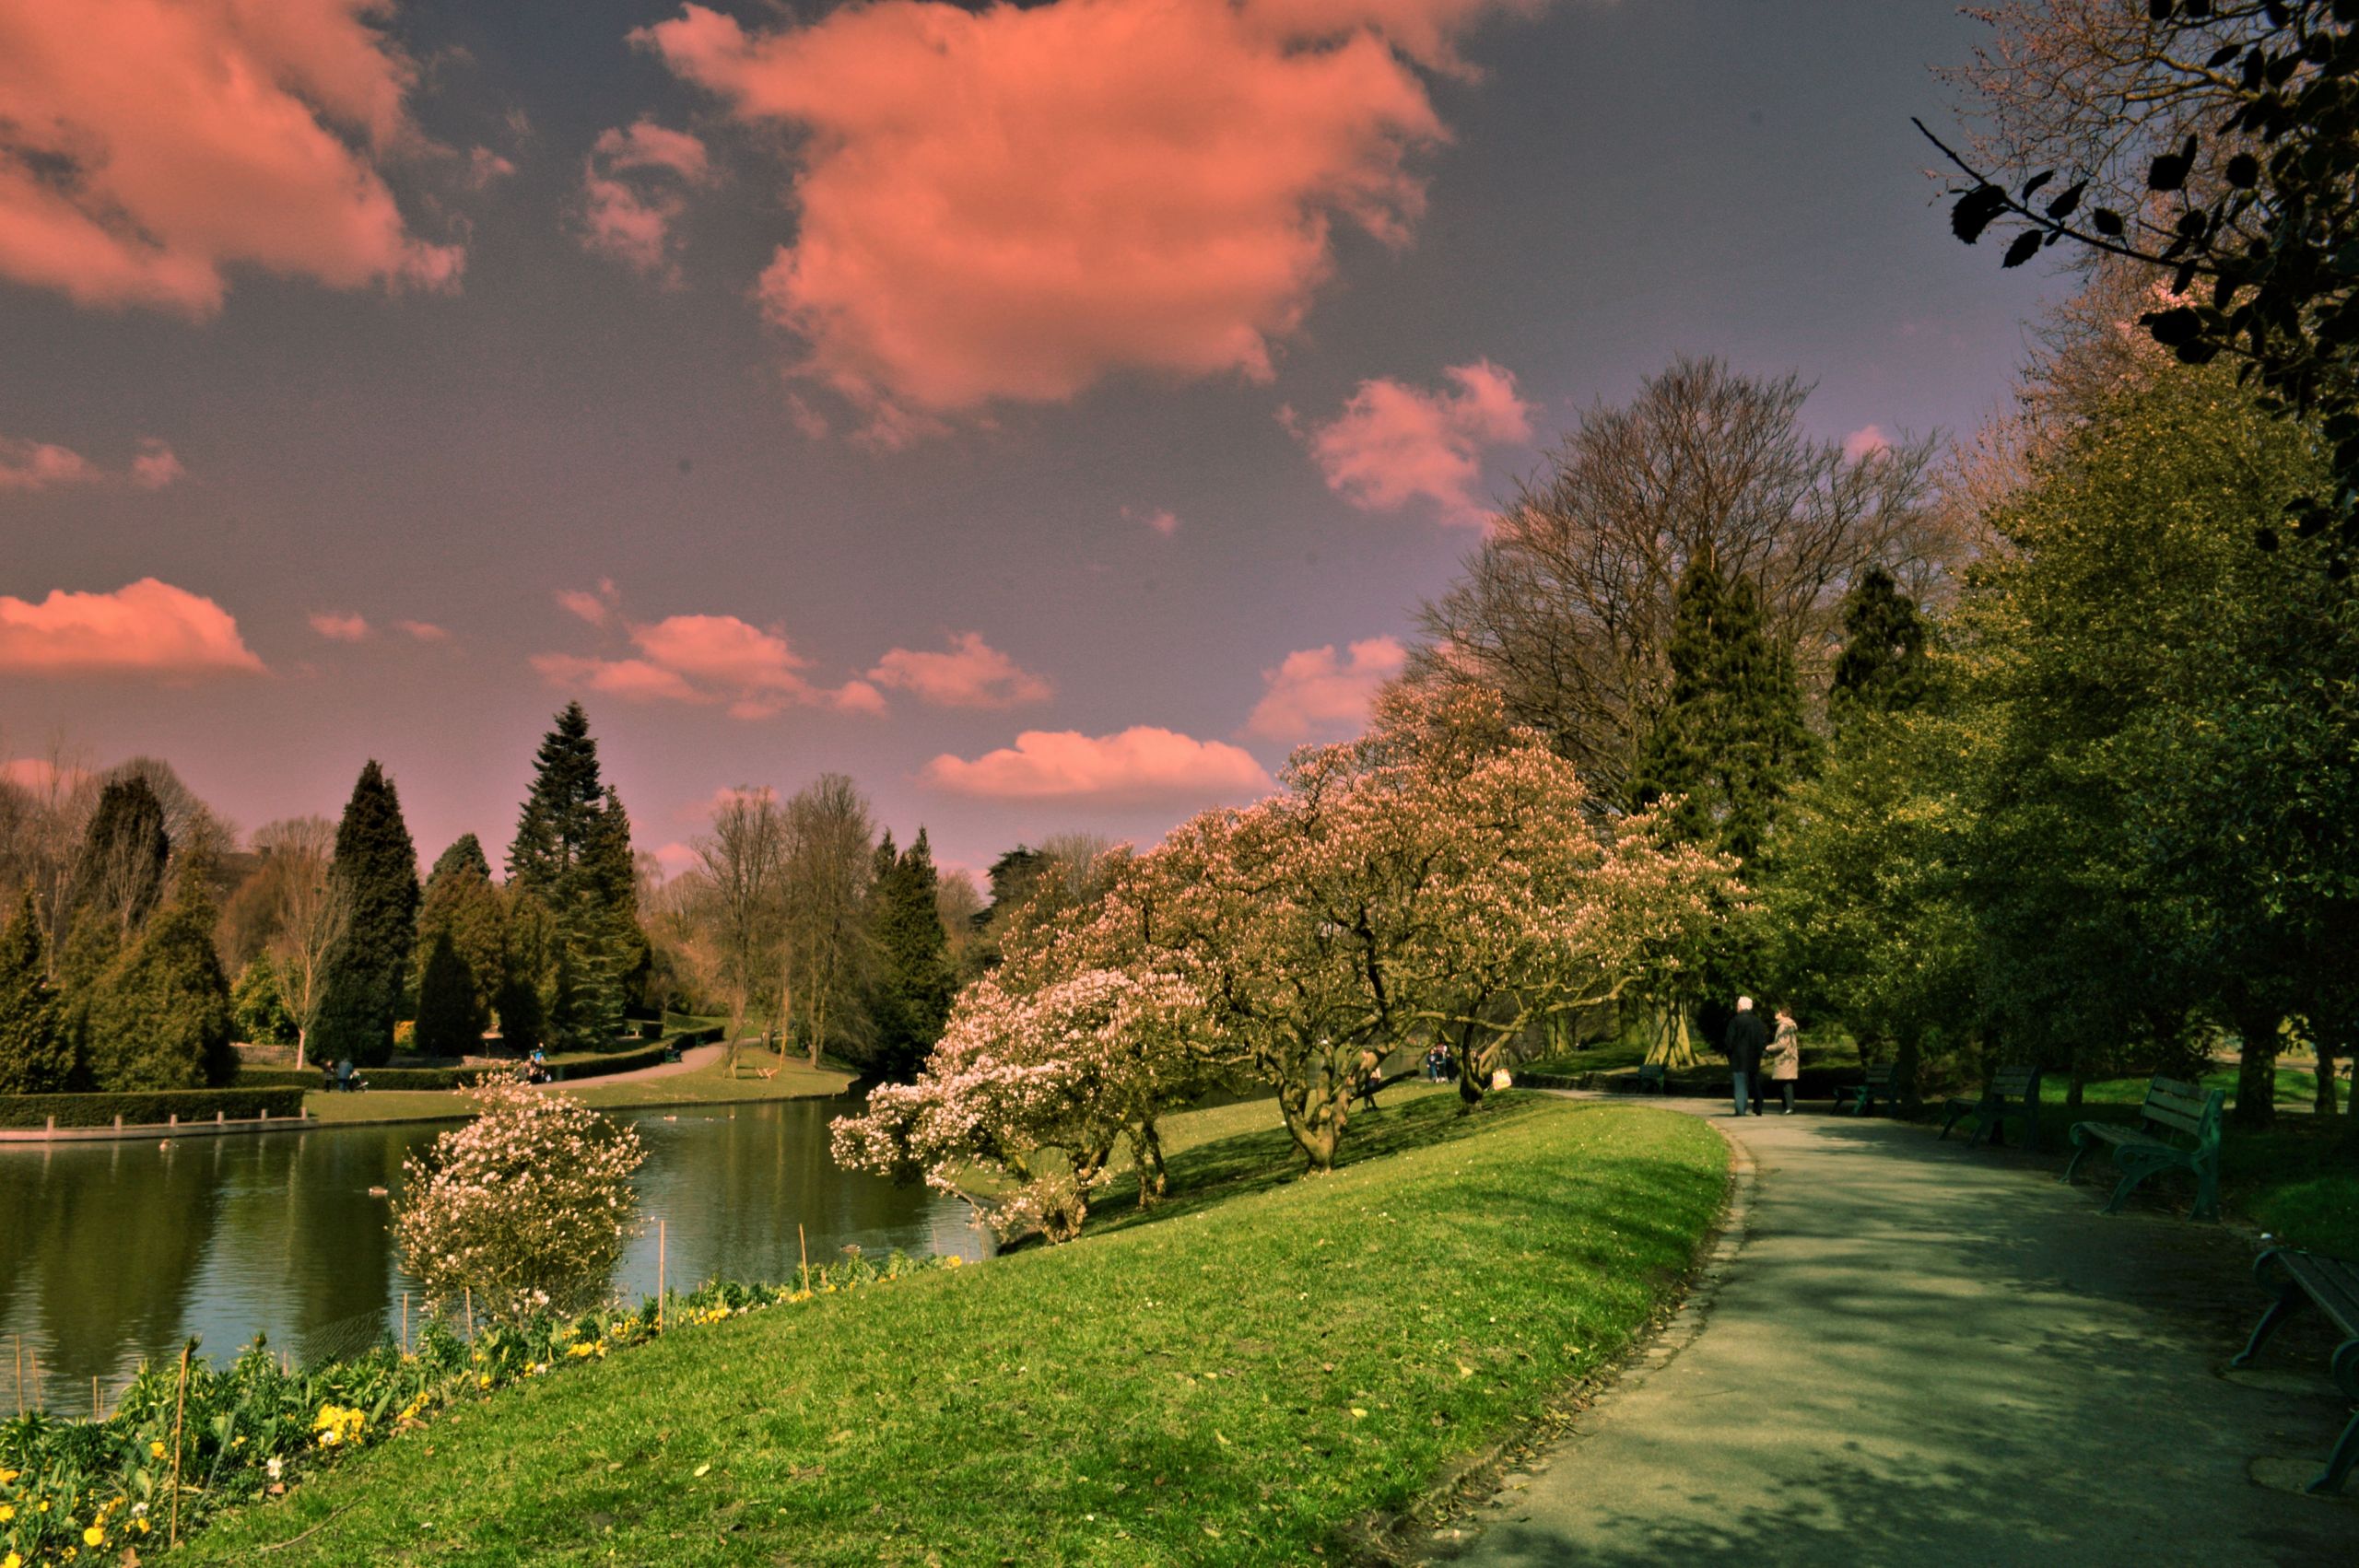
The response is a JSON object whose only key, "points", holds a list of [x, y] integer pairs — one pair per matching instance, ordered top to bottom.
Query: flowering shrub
{"points": [[1037, 1088], [526, 1208], [71, 1489]]}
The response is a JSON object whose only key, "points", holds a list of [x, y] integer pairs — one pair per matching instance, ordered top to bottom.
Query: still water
{"points": [[110, 1252]]}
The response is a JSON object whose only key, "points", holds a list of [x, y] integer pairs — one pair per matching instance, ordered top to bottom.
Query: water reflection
{"points": [[110, 1252]]}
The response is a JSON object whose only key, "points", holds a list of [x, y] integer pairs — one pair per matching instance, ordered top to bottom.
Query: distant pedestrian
{"points": [[1743, 1044], [1784, 1057], [1371, 1075]]}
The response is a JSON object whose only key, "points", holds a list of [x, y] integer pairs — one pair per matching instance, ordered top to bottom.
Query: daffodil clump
{"points": [[79, 1491]]}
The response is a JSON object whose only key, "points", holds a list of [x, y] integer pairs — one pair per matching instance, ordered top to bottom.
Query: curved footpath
{"points": [[1909, 1353]]}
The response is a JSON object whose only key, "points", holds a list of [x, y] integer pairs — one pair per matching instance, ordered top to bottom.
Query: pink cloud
{"points": [[152, 147], [487, 168], [630, 188], [1013, 202], [1865, 441], [1394, 443], [156, 466], [1163, 520], [595, 608], [145, 627], [339, 628], [424, 631], [708, 660], [972, 675], [1314, 693], [1141, 763], [674, 858]]}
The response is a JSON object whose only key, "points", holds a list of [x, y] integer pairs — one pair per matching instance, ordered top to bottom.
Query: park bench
{"points": [[1652, 1079], [1880, 1081], [2013, 1091], [2177, 1129], [2332, 1286]]}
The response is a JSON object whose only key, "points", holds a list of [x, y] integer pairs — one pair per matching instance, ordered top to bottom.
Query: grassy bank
{"points": [[793, 1079], [1240, 1378]]}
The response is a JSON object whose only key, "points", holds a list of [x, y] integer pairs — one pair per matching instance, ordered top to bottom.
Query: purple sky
{"points": [[862, 390]]}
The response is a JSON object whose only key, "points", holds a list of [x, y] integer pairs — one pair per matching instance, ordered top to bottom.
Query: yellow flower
{"points": [[955, 1261], [156, 1450], [8, 1512], [142, 1523], [94, 1535], [12, 1561]]}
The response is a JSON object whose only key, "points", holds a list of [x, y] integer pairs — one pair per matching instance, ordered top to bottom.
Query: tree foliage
{"points": [[571, 854], [373, 879], [160, 1018], [36, 1049]]}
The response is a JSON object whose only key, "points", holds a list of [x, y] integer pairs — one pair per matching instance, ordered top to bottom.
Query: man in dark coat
{"points": [[1745, 1040]]}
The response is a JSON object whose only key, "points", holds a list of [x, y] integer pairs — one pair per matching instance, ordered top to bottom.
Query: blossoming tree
{"points": [[524, 1209]]}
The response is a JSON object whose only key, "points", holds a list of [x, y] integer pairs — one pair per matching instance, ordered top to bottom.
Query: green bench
{"points": [[1652, 1079], [1879, 1081], [2013, 1091], [2177, 1129], [2332, 1286]]}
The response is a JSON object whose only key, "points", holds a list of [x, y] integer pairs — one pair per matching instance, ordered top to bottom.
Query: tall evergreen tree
{"points": [[1883, 667], [1732, 734], [572, 853], [118, 869], [375, 875], [461, 912], [531, 946], [91, 952], [915, 981], [161, 1018], [36, 1052]]}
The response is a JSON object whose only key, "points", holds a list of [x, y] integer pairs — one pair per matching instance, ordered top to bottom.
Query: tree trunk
{"points": [[1670, 1043], [303, 1044], [1907, 1066], [2324, 1103], [2256, 1106], [1315, 1127], [1146, 1153]]}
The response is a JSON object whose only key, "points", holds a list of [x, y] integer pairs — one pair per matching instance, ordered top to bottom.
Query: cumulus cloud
{"points": [[149, 148], [487, 168], [631, 195], [1011, 203], [1864, 442], [1394, 443], [44, 465], [595, 608], [145, 627], [339, 628], [423, 631], [708, 660], [971, 674], [1313, 692], [1141, 765]]}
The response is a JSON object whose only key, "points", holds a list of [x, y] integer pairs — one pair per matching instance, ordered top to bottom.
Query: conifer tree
{"points": [[1883, 667], [1732, 736], [572, 853], [118, 869], [375, 875], [463, 911], [532, 939], [91, 952], [914, 981], [258, 1008], [161, 1018], [36, 1052]]}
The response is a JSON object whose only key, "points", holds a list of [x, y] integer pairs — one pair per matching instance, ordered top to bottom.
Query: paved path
{"points": [[690, 1060], [1909, 1354]]}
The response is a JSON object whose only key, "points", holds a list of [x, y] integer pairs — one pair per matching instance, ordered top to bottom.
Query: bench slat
{"points": [[2331, 1283]]}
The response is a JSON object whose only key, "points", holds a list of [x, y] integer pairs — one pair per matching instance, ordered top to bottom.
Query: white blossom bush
{"points": [[1037, 1088], [524, 1211]]}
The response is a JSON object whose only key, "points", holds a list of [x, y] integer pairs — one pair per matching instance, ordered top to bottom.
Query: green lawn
{"points": [[794, 1080], [1241, 1377]]}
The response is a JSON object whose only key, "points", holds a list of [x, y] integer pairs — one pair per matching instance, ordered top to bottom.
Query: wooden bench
{"points": [[1653, 1079], [1881, 1081], [2013, 1091], [2179, 1130], [2312, 1279]]}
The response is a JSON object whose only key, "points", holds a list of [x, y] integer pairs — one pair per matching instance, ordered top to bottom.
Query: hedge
{"points": [[599, 1064], [375, 1077], [148, 1108]]}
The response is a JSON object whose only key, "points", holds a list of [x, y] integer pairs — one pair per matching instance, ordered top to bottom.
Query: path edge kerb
{"points": [[1588, 1403]]}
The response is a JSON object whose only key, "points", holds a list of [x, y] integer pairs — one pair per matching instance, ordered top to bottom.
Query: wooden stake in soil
{"points": [[803, 1248], [659, 1276], [469, 1294], [405, 1324], [21, 1372], [98, 1401], [180, 1407]]}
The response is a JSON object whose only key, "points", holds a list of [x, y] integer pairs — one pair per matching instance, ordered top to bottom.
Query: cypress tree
{"points": [[1883, 667], [1732, 736], [572, 853], [118, 869], [375, 873], [463, 911], [91, 952], [915, 981], [161, 1018], [523, 1020], [36, 1051]]}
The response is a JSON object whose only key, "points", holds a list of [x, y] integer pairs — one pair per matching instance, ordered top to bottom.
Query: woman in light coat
{"points": [[1784, 1057]]}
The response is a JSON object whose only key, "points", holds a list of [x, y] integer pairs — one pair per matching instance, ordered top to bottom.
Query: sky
{"points": [[1045, 415]]}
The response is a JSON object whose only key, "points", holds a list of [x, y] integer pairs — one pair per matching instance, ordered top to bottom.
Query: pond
{"points": [[112, 1252]]}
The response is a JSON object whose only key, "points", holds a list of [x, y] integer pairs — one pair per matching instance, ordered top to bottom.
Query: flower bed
{"points": [[149, 1108], [74, 1490]]}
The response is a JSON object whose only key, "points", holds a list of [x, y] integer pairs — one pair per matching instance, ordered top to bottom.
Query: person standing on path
{"points": [[1743, 1043], [1785, 1058]]}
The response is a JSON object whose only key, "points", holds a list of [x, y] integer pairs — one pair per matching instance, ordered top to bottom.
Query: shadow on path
{"points": [[1925, 1354]]}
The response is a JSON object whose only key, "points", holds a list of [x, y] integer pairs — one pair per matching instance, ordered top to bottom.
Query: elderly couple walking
{"points": [[1751, 1048]]}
